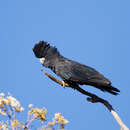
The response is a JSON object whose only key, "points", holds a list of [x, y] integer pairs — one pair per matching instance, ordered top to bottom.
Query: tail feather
{"points": [[103, 84], [109, 89]]}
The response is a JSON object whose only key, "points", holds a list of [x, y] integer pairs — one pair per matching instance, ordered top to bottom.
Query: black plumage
{"points": [[70, 71]]}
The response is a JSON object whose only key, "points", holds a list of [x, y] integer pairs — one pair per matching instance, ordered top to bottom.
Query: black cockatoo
{"points": [[71, 72]]}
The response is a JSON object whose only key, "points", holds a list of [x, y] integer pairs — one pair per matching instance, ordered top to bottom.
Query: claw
{"points": [[63, 84]]}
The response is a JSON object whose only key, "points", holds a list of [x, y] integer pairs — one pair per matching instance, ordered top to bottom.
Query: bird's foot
{"points": [[63, 84]]}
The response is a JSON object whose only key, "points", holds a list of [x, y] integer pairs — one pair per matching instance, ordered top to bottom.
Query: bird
{"points": [[71, 72]]}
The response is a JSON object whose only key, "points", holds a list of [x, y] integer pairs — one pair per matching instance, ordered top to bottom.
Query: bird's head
{"points": [[45, 52]]}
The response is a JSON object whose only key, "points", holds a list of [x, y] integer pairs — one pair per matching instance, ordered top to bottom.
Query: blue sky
{"points": [[95, 33]]}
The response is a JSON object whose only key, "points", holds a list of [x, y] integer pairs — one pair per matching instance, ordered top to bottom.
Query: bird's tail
{"points": [[102, 83], [109, 89]]}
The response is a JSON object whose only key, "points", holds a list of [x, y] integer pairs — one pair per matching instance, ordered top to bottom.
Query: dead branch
{"points": [[93, 99]]}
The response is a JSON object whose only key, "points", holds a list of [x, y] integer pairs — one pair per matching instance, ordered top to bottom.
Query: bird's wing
{"points": [[79, 73], [82, 74]]}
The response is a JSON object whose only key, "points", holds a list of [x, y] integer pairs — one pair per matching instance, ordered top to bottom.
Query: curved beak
{"points": [[42, 60]]}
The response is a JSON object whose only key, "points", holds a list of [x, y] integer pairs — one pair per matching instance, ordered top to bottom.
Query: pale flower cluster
{"points": [[11, 102], [9, 106], [38, 113], [58, 119], [16, 124], [3, 125]]}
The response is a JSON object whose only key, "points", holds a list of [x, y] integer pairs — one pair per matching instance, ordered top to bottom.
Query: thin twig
{"points": [[93, 99], [29, 121]]}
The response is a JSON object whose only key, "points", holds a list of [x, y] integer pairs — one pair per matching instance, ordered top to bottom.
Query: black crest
{"points": [[43, 49]]}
